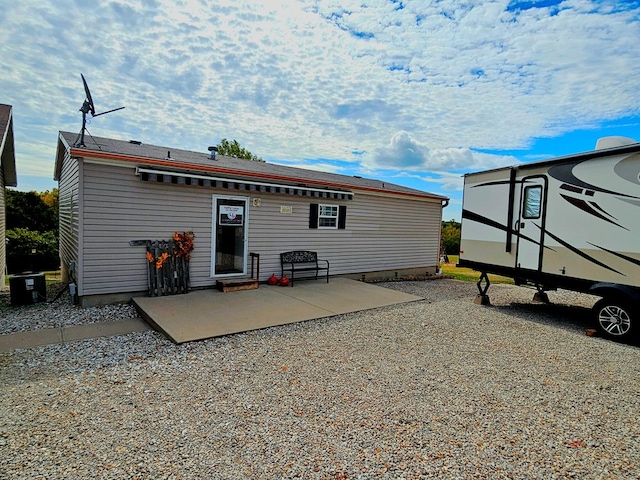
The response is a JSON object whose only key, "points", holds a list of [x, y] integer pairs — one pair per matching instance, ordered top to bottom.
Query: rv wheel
{"points": [[615, 319]]}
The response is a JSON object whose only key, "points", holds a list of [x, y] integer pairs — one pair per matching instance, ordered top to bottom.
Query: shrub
{"points": [[451, 238], [31, 251]]}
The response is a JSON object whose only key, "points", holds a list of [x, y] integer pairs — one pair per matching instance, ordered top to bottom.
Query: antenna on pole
{"points": [[88, 106]]}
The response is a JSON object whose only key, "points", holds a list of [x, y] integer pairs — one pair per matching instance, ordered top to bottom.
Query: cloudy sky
{"points": [[414, 92]]}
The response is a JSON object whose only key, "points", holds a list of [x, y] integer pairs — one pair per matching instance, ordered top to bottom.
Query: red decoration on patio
{"points": [[273, 280], [284, 281]]}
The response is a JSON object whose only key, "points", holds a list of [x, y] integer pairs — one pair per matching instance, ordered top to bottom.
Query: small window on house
{"points": [[532, 202], [328, 216]]}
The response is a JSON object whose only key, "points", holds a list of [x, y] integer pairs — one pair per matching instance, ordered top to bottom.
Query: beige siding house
{"points": [[7, 178], [114, 193]]}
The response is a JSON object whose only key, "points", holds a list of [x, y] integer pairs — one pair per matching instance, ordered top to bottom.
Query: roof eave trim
{"points": [[63, 146], [8, 155]]}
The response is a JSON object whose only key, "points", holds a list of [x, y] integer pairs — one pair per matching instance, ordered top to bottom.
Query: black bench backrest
{"points": [[299, 256]]}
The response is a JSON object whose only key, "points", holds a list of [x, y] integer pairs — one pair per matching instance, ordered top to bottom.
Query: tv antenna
{"points": [[88, 106]]}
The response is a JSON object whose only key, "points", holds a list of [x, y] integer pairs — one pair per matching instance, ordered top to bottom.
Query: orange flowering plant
{"points": [[183, 244], [182, 247], [161, 259], [158, 261]]}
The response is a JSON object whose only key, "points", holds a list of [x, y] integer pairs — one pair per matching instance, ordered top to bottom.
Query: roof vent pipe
{"points": [[214, 151]]}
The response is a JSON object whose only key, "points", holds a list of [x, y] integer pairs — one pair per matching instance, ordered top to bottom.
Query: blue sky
{"points": [[412, 92]]}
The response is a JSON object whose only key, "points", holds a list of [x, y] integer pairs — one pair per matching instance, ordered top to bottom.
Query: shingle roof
{"points": [[7, 150], [201, 161]]}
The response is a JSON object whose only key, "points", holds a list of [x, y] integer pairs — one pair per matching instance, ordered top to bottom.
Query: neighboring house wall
{"points": [[8, 178], [69, 188], [117, 208], [3, 224]]}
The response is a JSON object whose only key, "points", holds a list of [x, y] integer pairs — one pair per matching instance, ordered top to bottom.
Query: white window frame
{"points": [[321, 215]]}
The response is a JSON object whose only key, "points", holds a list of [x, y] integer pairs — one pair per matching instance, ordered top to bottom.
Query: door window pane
{"points": [[532, 202]]}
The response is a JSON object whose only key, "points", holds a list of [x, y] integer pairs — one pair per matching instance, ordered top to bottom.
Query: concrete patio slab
{"points": [[210, 313]]}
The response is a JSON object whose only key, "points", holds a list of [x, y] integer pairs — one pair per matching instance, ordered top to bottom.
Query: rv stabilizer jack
{"points": [[482, 298]]}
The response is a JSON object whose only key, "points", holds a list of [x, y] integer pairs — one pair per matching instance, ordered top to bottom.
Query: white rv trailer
{"points": [[572, 222]]}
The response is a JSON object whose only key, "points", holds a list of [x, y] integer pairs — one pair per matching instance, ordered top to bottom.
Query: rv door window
{"points": [[532, 201]]}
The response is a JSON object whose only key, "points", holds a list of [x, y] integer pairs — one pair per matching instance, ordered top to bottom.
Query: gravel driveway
{"points": [[440, 388]]}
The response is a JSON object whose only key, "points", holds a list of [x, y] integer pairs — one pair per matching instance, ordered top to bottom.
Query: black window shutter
{"points": [[313, 215], [342, 217]]}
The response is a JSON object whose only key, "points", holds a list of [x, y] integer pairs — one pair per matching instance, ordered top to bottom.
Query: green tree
{"points": [[233, 149], [50, 199], [29, 210], [32, 231], [451, 237]]}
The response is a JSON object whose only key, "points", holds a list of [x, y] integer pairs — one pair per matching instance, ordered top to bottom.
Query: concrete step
{"points": [[236, 285]]}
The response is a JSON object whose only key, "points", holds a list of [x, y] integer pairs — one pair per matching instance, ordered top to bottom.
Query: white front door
{"points": [[530, 224], [229, 239]]}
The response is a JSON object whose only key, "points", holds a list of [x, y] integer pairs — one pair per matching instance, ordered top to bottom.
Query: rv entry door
{"points": [[530, 224]]}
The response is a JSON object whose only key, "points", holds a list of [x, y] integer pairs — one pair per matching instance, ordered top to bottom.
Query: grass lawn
{"points": [[464, 274], [468, 275]]}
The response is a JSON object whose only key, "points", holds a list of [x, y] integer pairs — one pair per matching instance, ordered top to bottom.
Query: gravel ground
{"points": [[57, 312], [440, 388]]}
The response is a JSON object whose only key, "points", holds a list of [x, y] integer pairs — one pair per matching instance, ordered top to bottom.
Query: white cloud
{"points": [[303, 79], [405, 152], [317, 166], [449, 182]]}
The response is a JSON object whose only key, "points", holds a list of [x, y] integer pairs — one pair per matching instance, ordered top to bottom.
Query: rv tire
{"points": [[615, 318]]}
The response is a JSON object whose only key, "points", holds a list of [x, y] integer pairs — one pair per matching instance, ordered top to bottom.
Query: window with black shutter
{"points": [[325, 216]]}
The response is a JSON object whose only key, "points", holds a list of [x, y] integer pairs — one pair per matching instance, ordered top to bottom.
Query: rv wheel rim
{"points": [[614, 320]]}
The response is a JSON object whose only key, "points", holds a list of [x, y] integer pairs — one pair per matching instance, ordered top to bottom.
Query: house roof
{"points": [[7, 149], [155, 156]]}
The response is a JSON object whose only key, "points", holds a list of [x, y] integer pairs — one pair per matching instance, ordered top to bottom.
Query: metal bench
{"points": [[302, 261]]}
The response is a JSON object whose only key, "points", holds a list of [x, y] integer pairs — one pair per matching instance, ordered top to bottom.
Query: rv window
{"points": [[532, 202]]}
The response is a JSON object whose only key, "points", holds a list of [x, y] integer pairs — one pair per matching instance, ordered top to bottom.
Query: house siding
{"points": [[118, 208], [69, 214], [374, 224]]}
